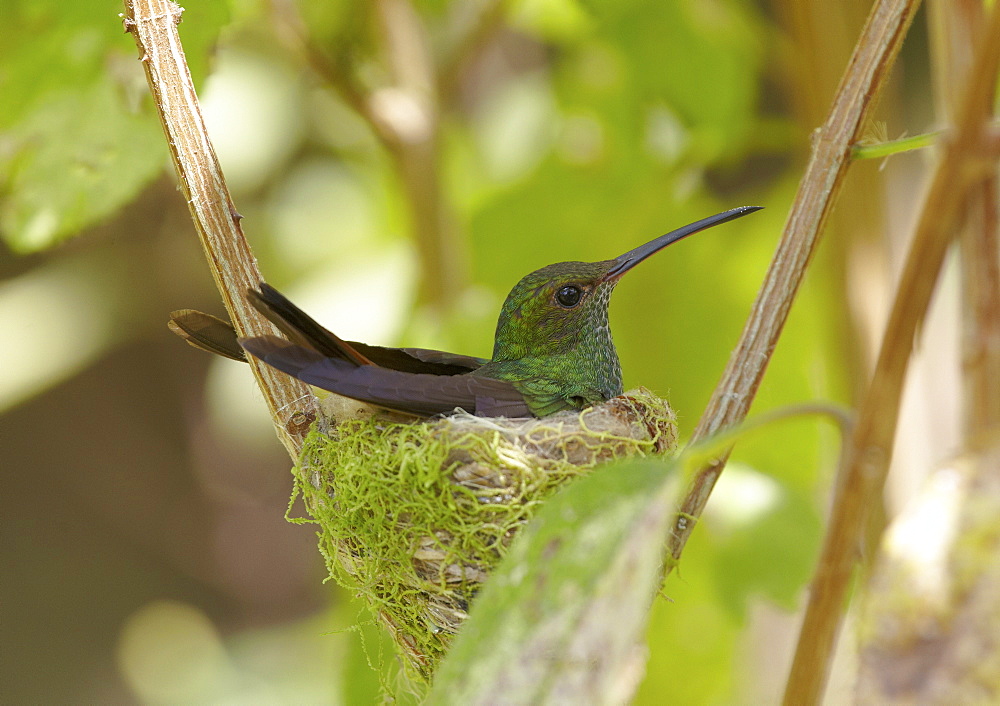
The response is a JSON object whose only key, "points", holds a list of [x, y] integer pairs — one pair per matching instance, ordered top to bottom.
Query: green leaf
{"points": [[81, 139], [79, 157], [771, 556], [564, 616]]}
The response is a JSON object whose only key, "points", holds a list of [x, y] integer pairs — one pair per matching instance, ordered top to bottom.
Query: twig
{"points": [[153, 24], [955, 25], [291, 29], [475, 37], [873, 55], [411, 106], [405, 117], [981, 309], [869, 452]]}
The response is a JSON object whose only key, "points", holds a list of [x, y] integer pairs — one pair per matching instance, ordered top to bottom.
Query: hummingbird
{"points": [[552, 352]]}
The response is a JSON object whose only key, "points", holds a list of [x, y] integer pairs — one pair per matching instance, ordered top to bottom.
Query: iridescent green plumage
{"points": [[558, 357]]}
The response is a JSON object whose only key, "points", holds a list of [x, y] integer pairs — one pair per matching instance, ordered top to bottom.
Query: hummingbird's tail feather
{"points": [[300, 327], [304, 330], [206, 332], [213, 335], [286, 356], [415, 393]]}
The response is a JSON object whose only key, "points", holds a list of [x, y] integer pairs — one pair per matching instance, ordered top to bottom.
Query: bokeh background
{"points": [[146, 554]]}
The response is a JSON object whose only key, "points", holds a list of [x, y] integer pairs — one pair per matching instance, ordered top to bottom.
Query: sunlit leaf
{"points": [[81, 139], [79, 157], [563, 618]]}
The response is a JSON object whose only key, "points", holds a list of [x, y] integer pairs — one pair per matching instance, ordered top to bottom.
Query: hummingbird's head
{"points": [[564, 306], [552, 309]]}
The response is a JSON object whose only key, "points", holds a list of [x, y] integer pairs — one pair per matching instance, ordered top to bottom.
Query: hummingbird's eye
{"points": [[569, 296]]}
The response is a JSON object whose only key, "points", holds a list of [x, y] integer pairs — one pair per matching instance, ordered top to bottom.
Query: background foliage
{"points": [[150, 558]]}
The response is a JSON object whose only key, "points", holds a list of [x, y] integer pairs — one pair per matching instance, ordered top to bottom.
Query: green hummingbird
{"points": [[553, 349]]}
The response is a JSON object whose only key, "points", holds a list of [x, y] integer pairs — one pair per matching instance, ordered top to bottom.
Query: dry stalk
{"points": [[153, 25], [955, 26], [869, 66], [413, 109], [405, 117], [867, 456]]}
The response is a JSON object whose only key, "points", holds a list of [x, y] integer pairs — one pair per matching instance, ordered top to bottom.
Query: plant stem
{"points": [[488, 18], [153, 24], [955, 26], [865, 75], [412, 107], [405, 117], [980, 253], [867, 456]]}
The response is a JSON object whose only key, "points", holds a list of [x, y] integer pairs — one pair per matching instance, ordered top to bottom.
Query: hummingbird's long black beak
{"points": [[624, 263]]}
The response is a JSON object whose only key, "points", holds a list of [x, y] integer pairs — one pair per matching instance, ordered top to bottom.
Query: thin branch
{"points": [[153, 24], [955, 25], [475, 37], [405, 48], [338, 74], [865, 75], [411, 106], [405, 117], [869, 149], [981, 310], [867, 456]]}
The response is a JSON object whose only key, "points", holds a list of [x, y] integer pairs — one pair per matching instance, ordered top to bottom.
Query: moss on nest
{"points": [[413, 516]]}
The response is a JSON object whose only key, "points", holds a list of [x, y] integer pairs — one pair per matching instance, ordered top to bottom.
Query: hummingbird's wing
{"points": [[300, 327], [429, 355], [415, 393]]}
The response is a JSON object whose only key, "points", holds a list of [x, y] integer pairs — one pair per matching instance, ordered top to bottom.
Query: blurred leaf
{"points": [[552, 19], [71, 40], [79, 43], [702, 59], [77, 145], [80, 157], [771, 557], [563, 617], [692, 639]]}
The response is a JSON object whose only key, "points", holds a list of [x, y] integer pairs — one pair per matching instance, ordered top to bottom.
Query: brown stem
{"points": [[153, 24], [955, 25], [292, 31], [475, 37], [865, 75], [411, 108], [405, 117], [980, 249], [867, 456]]}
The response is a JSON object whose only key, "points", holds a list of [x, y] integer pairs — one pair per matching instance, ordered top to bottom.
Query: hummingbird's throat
{"points": [[595, 348]]}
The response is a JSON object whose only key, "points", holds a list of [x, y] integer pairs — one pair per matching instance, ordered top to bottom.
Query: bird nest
{"points": [[413, 516]]}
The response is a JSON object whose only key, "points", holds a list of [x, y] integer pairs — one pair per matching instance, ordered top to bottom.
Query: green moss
{"points": [[413, 516]]}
